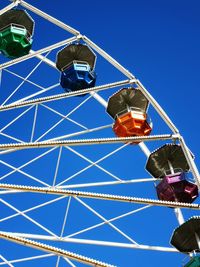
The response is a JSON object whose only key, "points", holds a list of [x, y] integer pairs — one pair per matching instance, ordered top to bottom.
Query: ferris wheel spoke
{"points": [[7, 8], [50, 18], [40, 51], [111, 60], [47, 61], [1, 75], [22, 78], [21, 84], [36, 94], [66, 95], [99, 99], [157, 107], [69, 113], [64, 117], [16, 118], [34, 123], [77, 123], [80, 133], [12, 138], [95, 141], [145, 149], [100, 160], [190, 161], [92, 164], [57, 166], [18, 169], [22, 172], [132, 181], [5, 192], [83, 194], [33, 208], [179, 215], [65, 217], [28, 218], [104, 222], [63, 228], [85, 229], [20, 237], [54, 250], [28, 259], [6, 261], [70, 263]]}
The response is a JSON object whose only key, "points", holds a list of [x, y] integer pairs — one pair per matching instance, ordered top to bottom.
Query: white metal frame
{"points": [[60, 188]]}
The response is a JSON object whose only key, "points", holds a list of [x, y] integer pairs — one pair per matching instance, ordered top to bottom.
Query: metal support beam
{"points": [[7, 8], [50, 18], [38, 52], [45, 59], [111, 60], [64, 95], [157, 107], [78, 142], [190, 161], [128, 199], [179, 215], [92, 242], [54, 250], [28, 259]]}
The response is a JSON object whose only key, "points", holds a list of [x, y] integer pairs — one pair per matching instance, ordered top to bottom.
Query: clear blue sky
{"points": [[157, 41]]}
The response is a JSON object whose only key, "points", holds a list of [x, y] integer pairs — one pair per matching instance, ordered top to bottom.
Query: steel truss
{"points": [[53, 144]]}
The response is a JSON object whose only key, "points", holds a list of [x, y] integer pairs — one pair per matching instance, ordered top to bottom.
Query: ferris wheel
{"points": [[87, 178]]}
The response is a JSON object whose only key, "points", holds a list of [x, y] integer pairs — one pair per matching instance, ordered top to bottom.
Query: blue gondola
{"points": [[76, 63], [77, 76]]}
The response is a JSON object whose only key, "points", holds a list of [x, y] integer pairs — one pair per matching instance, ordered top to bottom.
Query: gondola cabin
{"points": [[16, 30], [76, 63], [77, 76], [128, 107], [132, 123], [168, 163], [175, 187], [185, 237], [194, 262]]}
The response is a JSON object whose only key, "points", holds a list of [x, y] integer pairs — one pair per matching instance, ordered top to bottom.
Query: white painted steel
{"points": [[7, 8], [50, 18], [41, 51], [64, 95], [78, 142], [190, 161], [60, 188], [128, 199], [92, 242], [54, 250], [27, 259]]}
